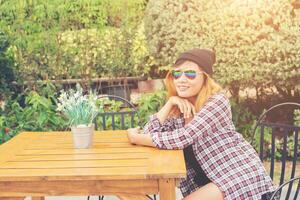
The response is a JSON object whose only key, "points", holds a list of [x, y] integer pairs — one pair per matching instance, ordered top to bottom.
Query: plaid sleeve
{"points": [[214, 115], [154, 125]]}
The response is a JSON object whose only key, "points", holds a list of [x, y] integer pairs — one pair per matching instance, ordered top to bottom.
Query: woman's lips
{"points": [[182, 88]]}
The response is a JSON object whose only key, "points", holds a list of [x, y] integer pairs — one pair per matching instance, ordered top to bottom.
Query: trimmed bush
{"points": [[257, 44]]}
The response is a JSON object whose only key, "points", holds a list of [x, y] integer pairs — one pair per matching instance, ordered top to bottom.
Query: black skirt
{"points": [[200, 179]]}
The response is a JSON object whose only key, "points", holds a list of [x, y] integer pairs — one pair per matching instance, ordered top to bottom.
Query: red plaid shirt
{"points": [[227, 159]]}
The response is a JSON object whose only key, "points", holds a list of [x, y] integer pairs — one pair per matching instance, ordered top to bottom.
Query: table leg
{"points": [[167, 189], [37, 198]]}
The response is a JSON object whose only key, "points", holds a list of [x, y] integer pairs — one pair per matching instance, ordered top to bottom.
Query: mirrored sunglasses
{"points": [[190, 74]]}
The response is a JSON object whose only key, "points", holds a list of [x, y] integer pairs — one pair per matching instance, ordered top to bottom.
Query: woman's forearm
{"points": [[163, 114], [134, 135], [140, 139]]}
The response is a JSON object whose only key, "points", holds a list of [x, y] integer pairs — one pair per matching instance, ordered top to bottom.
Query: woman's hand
{"points": [[186, 107], [131, 134], [135, 137]]}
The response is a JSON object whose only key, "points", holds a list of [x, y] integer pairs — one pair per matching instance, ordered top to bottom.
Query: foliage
{"points": [[75, 39], [257, 44], [114, 52], [141, 59], [6, 72], [149, 104], [106, 106], [78, 108], [39, 111], [37, 114], [297, 117], [243, 118], [5, 132], [2, 134], [279, 139], [278, 150]]}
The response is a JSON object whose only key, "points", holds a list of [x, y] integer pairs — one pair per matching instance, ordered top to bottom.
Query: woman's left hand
{"points": [[131, 134], [135, 137]]}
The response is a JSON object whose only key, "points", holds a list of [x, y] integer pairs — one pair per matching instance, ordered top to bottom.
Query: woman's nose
{"points": [[182, 78]]}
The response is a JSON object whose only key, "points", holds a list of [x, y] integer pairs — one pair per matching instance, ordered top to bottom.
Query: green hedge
{"points": [[57, 39], [257, 44]]}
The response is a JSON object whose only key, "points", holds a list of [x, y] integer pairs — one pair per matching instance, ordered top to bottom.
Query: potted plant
{"points": [[80, 110]]}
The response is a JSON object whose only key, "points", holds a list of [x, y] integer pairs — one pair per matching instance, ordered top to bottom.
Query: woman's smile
{"points": [[182, 87]]}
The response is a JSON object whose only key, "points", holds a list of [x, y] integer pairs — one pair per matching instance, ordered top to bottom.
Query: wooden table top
{"points": [[36, 156]]}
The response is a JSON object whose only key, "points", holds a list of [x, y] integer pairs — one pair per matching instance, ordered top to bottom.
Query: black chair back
{"points": [[116, 113], [277, 139], [281, 191]]}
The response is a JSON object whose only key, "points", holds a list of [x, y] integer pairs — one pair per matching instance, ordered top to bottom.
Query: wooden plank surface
{"points": [[51, 156], [80, 188], [37, 198]]}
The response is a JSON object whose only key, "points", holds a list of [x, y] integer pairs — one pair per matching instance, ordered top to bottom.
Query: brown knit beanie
{"points": [[204, 58]]}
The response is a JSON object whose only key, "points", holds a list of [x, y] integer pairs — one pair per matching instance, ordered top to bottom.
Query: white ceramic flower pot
{"points": [[83, 136]]}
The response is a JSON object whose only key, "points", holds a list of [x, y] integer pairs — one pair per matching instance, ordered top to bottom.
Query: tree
{"points": [[57, 39], [257, 44]]}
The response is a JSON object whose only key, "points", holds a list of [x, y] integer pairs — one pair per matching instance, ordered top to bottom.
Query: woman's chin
{"points": [[183, 95]]}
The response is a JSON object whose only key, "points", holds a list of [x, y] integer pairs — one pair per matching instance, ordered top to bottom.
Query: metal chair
{"points": [[120, 90], [116, 113], [276, 137], [293, 185]]}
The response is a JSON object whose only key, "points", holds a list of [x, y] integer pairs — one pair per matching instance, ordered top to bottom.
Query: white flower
{"points": [[59, 107], [77, 107]]}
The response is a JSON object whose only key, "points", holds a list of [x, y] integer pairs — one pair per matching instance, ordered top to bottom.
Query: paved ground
{"points": [[178, 197]]}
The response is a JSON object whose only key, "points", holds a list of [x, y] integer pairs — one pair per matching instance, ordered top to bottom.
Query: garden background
{"points": [[42, 42]]}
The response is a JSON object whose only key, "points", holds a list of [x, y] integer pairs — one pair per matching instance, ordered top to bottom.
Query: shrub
{"points": [[75, 39], [257, 45], [114, 52], [6, 68], [149, 104], [36, 113], [243, 118]]}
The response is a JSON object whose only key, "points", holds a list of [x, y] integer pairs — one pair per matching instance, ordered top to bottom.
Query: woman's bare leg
{"points": [[208, 192]]}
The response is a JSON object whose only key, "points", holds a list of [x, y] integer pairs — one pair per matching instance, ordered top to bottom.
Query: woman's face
{"points": [[188, 84]]}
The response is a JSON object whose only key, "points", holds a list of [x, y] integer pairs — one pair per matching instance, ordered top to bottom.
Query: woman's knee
{"points": [[209, 191]]}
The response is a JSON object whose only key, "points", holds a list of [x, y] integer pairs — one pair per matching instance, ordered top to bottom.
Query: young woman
{"points": [[197, 118]]}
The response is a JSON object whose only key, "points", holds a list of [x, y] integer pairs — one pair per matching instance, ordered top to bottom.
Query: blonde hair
{"points": [[209, 88]]}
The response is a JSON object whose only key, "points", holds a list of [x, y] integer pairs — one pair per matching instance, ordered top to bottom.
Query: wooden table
{"points": [[42, 164]]}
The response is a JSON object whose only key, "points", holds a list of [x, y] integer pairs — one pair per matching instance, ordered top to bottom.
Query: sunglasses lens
{"points": [[176, 74], [191, 74]]}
